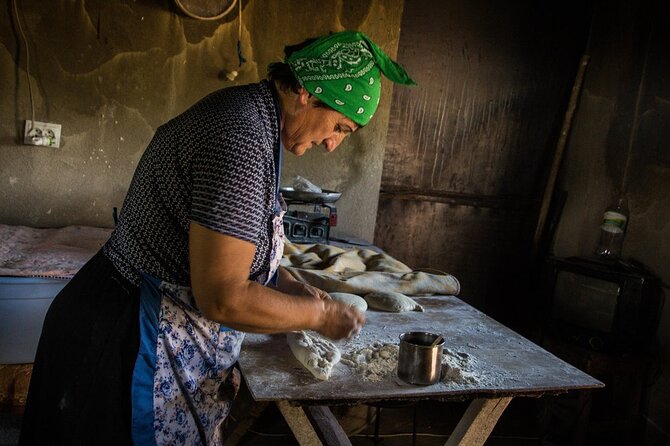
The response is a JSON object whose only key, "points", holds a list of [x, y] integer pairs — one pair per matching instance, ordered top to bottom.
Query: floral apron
{"points": [[184, 382]]}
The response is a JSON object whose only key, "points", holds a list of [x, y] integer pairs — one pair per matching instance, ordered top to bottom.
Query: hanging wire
{"points": [[239, 34], [25, 43]]}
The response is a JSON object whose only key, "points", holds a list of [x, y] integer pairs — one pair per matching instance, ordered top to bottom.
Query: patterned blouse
{"points": [[215, 164]]}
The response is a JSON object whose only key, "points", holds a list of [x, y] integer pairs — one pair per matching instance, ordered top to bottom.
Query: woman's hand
{"points": [[337, 320], [340, 320]]}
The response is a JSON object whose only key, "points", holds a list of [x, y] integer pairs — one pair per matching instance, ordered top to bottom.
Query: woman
{"points": [[136, 347]]}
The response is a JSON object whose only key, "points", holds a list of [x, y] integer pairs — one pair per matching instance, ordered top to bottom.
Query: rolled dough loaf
{"points": [[350, 299], [391, 301], [316, 354]]}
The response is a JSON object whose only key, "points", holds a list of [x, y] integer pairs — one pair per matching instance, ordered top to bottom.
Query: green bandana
{"points": [[344, 71]]}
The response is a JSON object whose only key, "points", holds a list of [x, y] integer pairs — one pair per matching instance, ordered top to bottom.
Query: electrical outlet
{"points": [[42, 134]]}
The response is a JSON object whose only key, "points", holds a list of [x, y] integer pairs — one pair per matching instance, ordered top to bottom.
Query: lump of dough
{"points": [[350, 299], [391, 301], [316, 354]]}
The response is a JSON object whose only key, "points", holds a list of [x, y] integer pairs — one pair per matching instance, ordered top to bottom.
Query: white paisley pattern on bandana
{"points": [[342, 60], [335, 69]]}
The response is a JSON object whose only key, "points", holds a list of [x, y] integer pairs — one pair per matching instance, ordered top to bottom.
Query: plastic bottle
{"points": [[612, 230]]}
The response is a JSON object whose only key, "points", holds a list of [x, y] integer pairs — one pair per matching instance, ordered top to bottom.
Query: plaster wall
{"points": [[110, 72]]}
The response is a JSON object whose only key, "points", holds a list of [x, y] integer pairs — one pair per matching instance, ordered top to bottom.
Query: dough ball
{"points": [[350, 299], [392, 302]]}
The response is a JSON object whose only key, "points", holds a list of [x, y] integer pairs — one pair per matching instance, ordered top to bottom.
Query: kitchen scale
{"points": [[312, 222]]}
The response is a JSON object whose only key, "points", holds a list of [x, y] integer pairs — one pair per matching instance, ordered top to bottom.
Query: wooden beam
{"points": [[558, 155], [458, 198], [14, 382], [478, 421], [299, 423], [326, 425]]}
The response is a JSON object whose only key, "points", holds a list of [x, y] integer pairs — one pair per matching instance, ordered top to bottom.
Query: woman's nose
{"points": [[332, 142], [329, 144]]}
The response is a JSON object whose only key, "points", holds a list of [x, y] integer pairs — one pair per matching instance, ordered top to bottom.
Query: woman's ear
{"points": [[303, 96]]}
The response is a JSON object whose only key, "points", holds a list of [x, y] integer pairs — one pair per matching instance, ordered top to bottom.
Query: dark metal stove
{"points": [[312, 222]]}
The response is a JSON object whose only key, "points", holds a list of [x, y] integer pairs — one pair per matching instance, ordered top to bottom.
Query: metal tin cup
{"points": [[420, 362]]}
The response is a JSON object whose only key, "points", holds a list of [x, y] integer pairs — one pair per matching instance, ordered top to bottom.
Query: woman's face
{"points": [[315, 125]]}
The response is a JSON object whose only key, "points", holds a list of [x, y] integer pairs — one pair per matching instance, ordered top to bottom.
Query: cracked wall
{"points": [[111, 72]]}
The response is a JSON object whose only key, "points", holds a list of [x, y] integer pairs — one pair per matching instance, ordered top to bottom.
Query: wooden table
{"points": [[497, 365]]}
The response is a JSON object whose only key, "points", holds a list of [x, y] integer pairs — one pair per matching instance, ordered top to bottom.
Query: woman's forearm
{"points": [[220, 266], [253, 307]]}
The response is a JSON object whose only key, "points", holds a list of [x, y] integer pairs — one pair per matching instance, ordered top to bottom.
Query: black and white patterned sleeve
{"points": [[230, 184]]}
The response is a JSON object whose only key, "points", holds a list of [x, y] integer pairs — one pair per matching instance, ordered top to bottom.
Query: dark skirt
{"points": [[80, 387]]}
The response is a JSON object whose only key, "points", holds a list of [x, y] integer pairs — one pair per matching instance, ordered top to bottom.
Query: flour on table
{"points": [[316, 354], [374, 362], [457, 367]]}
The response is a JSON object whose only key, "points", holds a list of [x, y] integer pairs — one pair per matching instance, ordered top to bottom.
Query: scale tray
{"points": [[326, 196]]}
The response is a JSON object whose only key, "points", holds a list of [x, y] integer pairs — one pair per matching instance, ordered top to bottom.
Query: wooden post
{"points": [[558, 156], [14, 382], [478, 421], [299, 423], [326, 426]]}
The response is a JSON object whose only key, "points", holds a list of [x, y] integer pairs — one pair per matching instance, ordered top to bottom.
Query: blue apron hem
{"points": [[142, 391]]}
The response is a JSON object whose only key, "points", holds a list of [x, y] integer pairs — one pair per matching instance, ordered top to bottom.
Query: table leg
{"points": [[478, 421], [299, 423], [313, 425]]}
